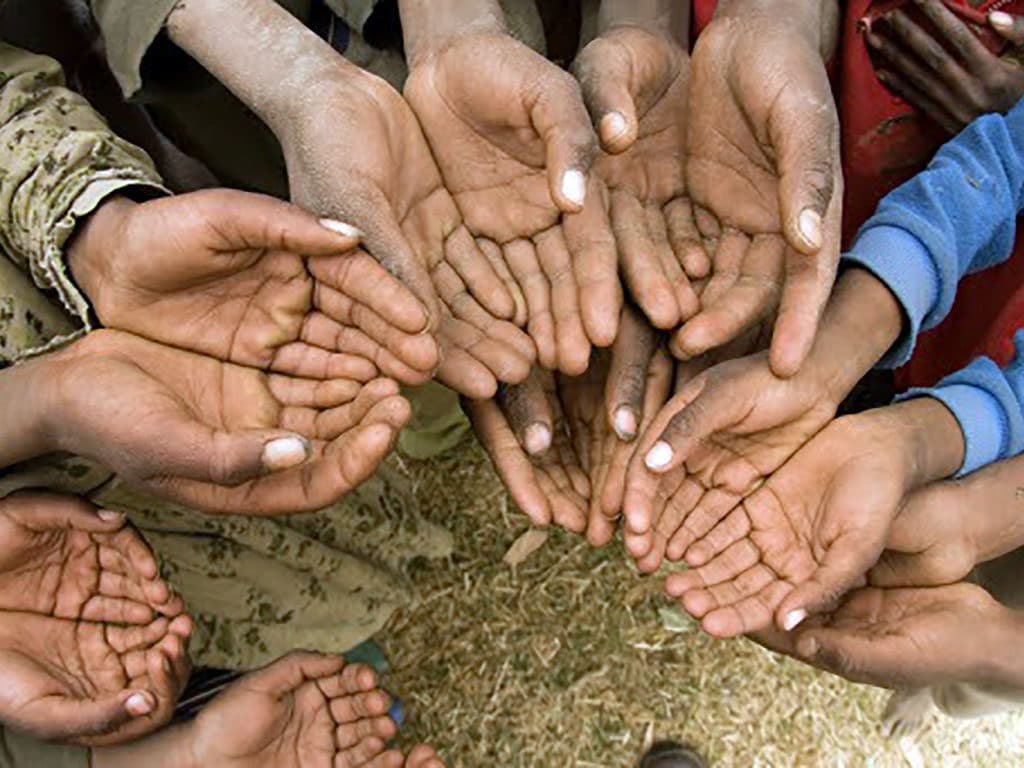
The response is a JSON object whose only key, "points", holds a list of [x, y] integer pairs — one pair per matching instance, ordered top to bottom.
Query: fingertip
{"points": [[617, 133], [573, 189], [809, 231], [625, 423], [537, 439], [285, 452], [675, 586]]}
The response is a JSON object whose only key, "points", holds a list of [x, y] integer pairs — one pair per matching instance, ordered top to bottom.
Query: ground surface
{"points": [[571, 660]]}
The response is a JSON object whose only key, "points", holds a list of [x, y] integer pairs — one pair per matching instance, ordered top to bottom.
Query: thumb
{"points": [[1008, 27], [604, 75], [561, 120], [804, 128], [245, 220], [627, 378], [528, 413], [195, 451], [40, 511], [845, 562], [898, 569], [70, 719]]}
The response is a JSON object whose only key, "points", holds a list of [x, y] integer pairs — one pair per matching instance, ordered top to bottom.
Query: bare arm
{"points": [[666, 16]]}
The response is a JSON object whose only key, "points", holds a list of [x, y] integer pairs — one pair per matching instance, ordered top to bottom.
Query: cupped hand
{"points": [[951, 77], [635, 84], [514, 144], [763, 157], [370, 165], [251, 280], [525, 432], [217, 436], [806, 536], [61, 557], [909, 638], [90, 683], [305, 709]]}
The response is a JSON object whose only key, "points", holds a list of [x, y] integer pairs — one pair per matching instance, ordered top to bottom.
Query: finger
{"points": [[1009, 27], [963, 41], [925, 47], [604, 74], [912, 95], [562, 122], [588, 236], [685, 238], [492, 251], [522, 261], [641, 269], [477, 272], [363, 281], [808, 285], [686, 297], [750, 298], [570, 337], [502, 361], [310, 362], [459, 370], [627, 378], [311, 393], [529, 415], [510, 461], [568, 506], [40, 511], [730, 528], [736, 559], [845, 562], [117, 610], [752, 614], [289, 672], [353, 681], [351, 707], [65, 719], [348, 735], [423, 756], [390, 759]]}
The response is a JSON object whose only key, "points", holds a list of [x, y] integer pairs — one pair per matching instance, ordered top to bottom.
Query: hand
{"points": [[952, 78], [635, 84], [514, 144], [763, 157], [392, 190], [224, 273], [607, 407], [525, 433], [213, 435], [815, 528], [941, 533], [61, 557], [908, 638], [90, 683], [305, 709]]}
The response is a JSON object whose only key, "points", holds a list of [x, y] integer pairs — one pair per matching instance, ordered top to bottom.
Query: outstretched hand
{"points": [[635, 83], [514, 144], [763, 157]]}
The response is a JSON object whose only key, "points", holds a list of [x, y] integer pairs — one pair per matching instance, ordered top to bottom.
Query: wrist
{"points": [[663, 17], [813, 21], [429, 25], [93, 248], [860, 324], [27, 406], [931, 437], [999, 662], [167, 748]]}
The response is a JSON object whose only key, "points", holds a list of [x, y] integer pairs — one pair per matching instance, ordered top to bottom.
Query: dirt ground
{"points": [[573, 659]]}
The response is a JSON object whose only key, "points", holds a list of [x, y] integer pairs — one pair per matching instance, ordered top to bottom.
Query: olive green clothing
{"points": [[59, 161], [20, 751]]}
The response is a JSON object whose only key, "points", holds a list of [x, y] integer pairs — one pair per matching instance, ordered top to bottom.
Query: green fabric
{"points": [[20, 751]]}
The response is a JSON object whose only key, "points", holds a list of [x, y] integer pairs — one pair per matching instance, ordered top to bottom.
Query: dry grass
{"points": [[566, 661]]}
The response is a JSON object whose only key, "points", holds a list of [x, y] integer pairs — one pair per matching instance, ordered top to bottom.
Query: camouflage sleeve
{"points": [[58, 162], [18, 750]]}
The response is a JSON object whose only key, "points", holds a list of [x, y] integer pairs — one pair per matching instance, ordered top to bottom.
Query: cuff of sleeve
{"points": [[129, 28], [902, 262], [51, 267], [981, 418]]}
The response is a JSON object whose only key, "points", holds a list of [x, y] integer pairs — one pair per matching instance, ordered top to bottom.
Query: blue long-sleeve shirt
{"points": [[956, 217]]}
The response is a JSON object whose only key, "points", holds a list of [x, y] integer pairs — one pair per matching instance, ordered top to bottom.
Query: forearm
{"points": [[668, 17], [817, 20], [427, 24], [270, 61], [860, 323], [23, 411], [999, 660], [167, 748]]}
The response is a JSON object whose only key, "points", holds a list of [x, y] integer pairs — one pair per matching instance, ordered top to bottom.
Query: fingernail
{"points": [[1001, 20], [613, 125], [574, 187], [810, 227], [343, 229], [625, 423], [537, 439], [285, 452], [659, 456], [109, 515], [793, 619], [807, 647], [165, 665], [138, 704]]}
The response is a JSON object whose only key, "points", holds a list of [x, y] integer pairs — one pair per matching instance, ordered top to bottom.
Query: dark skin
{"points": [[948, 74]]}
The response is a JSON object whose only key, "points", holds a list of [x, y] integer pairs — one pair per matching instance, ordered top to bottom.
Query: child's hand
{"points": [[953, 89], [813, 530], [305, 709]]}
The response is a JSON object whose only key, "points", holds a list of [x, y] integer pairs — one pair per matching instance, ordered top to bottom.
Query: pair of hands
{"points": [[259, 343], [93, 644]]}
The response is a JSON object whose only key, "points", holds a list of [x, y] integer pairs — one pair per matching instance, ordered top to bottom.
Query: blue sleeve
{"points": [[956, 217], [988, 402]]}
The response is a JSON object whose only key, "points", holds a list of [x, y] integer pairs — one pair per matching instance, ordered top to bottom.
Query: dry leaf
{"points": [[525, 546]]}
